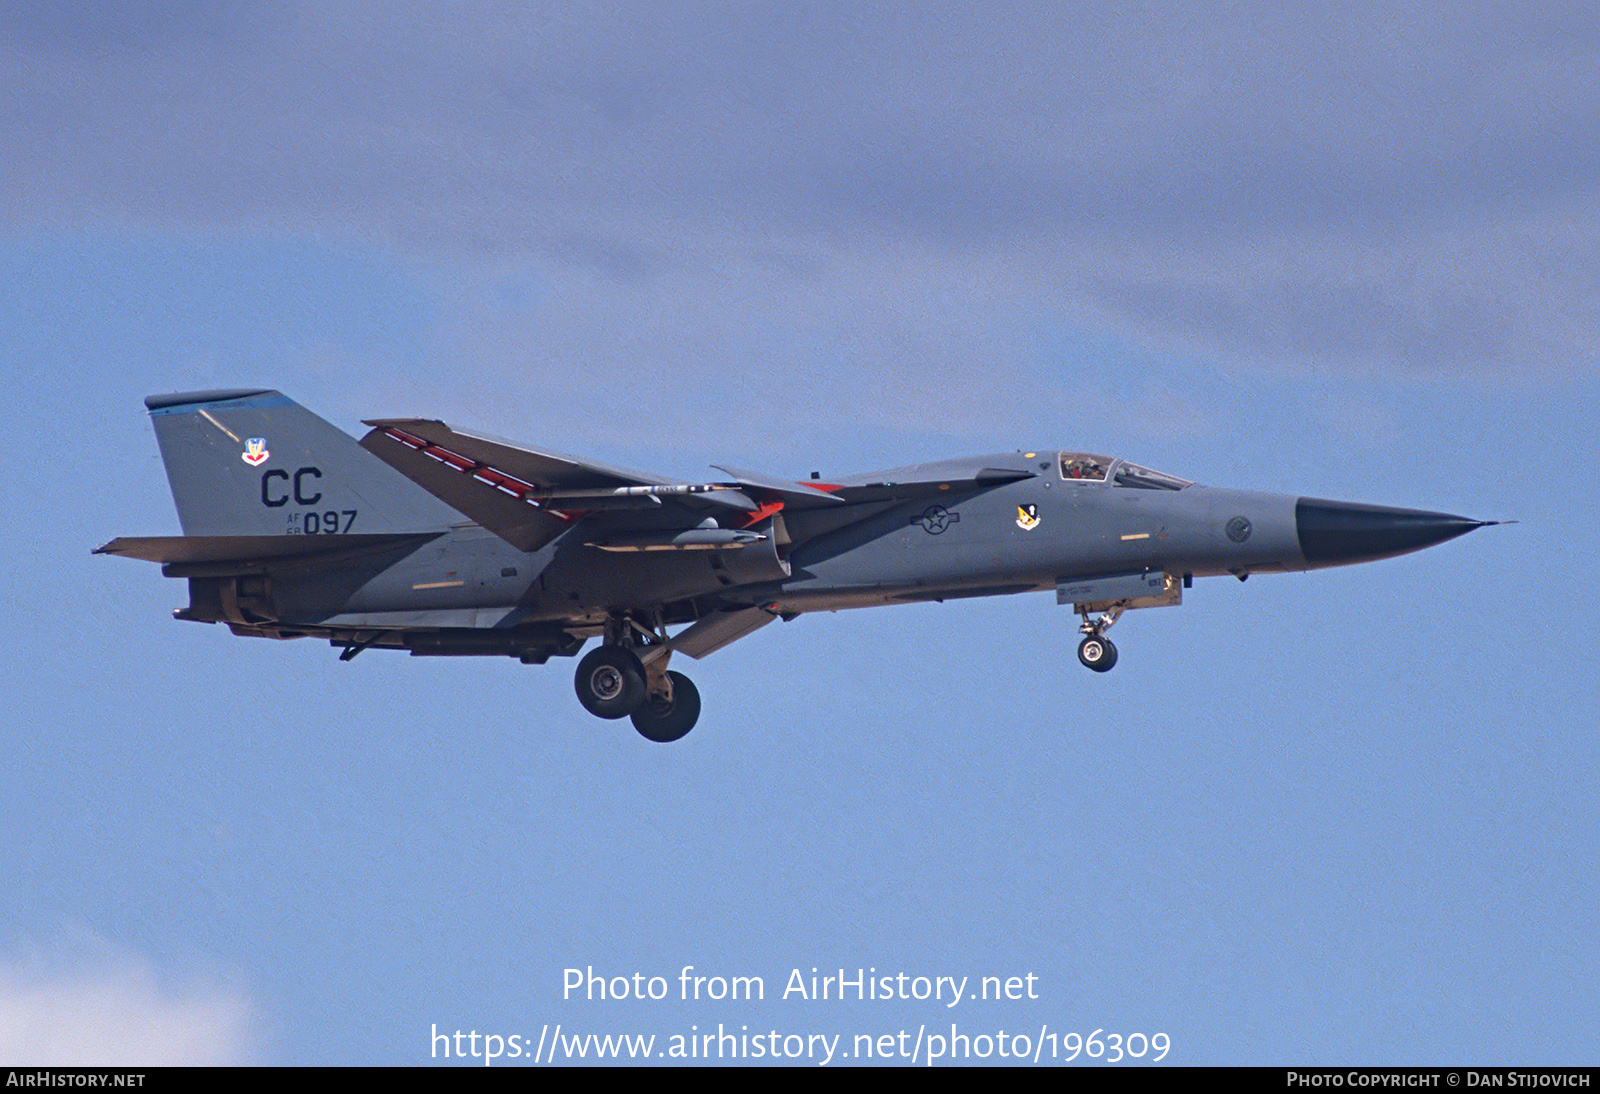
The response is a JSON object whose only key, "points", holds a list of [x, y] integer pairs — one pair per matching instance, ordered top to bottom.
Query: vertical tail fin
{"points": [[255, 463]]}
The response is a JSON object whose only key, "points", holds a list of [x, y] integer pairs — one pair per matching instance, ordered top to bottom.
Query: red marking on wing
{"points": [[482, 472]]}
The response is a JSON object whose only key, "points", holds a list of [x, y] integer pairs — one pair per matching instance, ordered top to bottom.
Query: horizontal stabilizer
{"points": [[249, 549]]}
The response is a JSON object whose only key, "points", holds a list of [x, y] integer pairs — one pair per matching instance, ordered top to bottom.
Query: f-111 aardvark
{"points": [[436, 541]]}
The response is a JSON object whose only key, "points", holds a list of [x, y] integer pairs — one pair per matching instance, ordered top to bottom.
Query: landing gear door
{"points": [[1100, 594]]}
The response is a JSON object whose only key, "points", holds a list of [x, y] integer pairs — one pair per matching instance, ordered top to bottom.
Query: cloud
{"points": [[945, 121], [1404, 169], [1338, 322], [86, 1003]]}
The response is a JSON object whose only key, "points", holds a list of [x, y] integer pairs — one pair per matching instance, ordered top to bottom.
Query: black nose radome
{"points": [[1336, 532]]}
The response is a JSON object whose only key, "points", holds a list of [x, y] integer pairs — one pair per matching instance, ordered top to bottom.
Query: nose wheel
{"points": [[1096, 651]]}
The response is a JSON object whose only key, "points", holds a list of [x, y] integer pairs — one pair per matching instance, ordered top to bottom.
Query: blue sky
{"points": [[1339, 817]]}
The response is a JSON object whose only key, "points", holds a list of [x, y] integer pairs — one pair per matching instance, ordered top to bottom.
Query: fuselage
{"points": [[1076, 516], [1037, 532]]}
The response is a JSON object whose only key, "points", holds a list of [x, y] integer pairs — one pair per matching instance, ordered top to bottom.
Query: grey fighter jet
{"points": [[440, 542]]}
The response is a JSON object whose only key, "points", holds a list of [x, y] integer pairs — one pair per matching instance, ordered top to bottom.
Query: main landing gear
{"points": [[1096, 651], [628, 678], [610, 682]]}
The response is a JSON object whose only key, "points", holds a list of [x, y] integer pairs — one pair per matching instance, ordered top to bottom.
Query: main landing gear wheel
{"points": [[1097, 653], [610, 682], [666, 720]]}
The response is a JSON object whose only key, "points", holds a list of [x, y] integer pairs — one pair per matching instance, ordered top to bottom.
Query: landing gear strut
{"points": [[1096, 651], [627, 676]]}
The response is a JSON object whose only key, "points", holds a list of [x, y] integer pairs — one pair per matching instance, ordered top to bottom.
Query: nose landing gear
{"points": [[1096, 651]]}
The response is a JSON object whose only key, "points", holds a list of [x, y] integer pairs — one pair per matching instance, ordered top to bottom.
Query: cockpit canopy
{"points": [[1087, 467]]}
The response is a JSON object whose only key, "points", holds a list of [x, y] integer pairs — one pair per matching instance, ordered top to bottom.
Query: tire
{"points": [[1097, 653], [610, 682], [663, 720]]}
